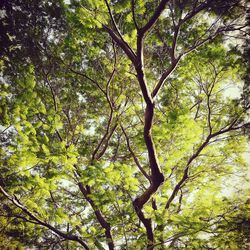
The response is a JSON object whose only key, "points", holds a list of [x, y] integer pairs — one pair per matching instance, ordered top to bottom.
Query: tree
{"points": [[118, 128]]}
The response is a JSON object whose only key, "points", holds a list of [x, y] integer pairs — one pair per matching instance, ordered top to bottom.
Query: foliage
{"points": [[123, 125]]}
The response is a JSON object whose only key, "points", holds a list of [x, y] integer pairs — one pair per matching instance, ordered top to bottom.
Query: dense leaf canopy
{"points": [[124, 124]]}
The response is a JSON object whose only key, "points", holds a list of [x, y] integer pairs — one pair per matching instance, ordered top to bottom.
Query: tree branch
{"points": [[133, 14], [155, 17], [116, 27], [122, 44], [165, 75], [90, 79], [107, 142], [196, 154], [134, 156], [41, 222], [105, 225]]}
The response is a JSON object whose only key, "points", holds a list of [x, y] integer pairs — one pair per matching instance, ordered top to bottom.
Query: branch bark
{"points": [[155, 17], [121, 43], [137, 59], [156, 177]]}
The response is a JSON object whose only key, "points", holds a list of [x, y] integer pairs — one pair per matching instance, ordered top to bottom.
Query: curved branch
{"points": [[154, 18], [116, 27], [122, 44], [165, 75], [87, 77], [106, 143], [197, 153], [134, 156], [185, 173], [99, 216], [66, 236]]}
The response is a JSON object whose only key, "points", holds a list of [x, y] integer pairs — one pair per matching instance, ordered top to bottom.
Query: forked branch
{"points": [[197, 153]]}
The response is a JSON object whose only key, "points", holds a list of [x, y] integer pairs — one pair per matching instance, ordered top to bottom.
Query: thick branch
{"points": [[195, 11], [155, 17], [116, 27], [122, 44], [141, 77], [156, 177], [148, 225]]}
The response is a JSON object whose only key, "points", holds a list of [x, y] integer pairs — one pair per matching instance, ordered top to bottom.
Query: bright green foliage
{"points": [[72, 122]]}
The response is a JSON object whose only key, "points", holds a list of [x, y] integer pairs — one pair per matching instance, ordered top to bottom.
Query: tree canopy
{"points": [[124, 124]]}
